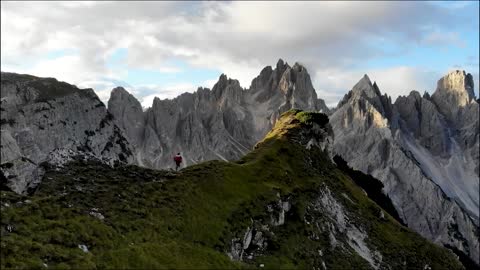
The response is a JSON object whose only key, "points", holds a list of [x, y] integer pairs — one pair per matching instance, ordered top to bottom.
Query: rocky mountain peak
{"points": [[281, 65], [299, 67], [458, 81], [457, 86], [366, 87], [227, 88], [119, 91], [364, 91], [454, 92], [119, 94], [415, 95], [427, 96], [128, 113], [44, 118], [419, 141]]}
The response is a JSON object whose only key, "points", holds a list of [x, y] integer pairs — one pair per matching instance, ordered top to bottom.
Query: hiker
{"points": [[178, 160]]}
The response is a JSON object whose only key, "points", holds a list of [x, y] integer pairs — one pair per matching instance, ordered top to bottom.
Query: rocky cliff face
{"points": [[128, 112], [45, 120], [222, 123], [424, 150], [302, 212]]}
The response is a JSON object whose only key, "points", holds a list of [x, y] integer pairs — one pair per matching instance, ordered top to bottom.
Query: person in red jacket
{"points": [[178, 161]]}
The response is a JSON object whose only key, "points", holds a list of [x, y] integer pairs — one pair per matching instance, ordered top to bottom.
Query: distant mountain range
{"points": [[424, 149]]}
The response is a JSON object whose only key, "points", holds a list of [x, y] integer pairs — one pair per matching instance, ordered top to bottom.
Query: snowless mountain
{"points": [[43, 119], [222, 123], [424, 149], [303, 213]]}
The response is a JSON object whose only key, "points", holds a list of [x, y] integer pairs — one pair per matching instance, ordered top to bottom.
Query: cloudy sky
{"points": [[166, 48]]}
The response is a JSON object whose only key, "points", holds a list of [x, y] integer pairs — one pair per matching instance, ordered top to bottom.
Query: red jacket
{"points": [[177, 159]]}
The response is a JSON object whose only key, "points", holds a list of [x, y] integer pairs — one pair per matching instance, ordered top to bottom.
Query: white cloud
{"points": [[444, 38], [332, 39], [209, 83], [163, 92]]}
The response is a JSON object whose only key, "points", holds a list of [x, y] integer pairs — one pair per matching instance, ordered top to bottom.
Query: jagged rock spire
{"points": [[454, 92]]}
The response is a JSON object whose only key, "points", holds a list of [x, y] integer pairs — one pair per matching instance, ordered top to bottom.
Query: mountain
{"points": [[43, 119], [222, 123], [423, 149], [425, 152], [283, 205]]}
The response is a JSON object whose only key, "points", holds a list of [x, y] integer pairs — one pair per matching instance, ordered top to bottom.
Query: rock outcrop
{"points": [[129, 114], [41, 116], [222, 123], [422, 149], [301, 212]]}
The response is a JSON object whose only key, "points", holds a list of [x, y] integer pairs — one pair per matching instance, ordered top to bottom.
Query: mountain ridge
{"points": [[394, 142], [409, 145], [301, 213]]}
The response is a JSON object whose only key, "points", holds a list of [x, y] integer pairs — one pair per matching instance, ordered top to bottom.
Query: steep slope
{"points": [[276, 91], [128, 111], [43, 119], [222, 123], [412, 147], [284, 205]]}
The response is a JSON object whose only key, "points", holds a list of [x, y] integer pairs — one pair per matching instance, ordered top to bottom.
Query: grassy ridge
{"points": [[160, 219]]}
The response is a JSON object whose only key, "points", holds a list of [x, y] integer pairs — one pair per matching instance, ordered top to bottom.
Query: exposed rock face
{"points": [[276, 91], [454, 92], [128, 111], [41, 116], [222, 123], [205, 125], [416, 146], [421, 148], [300, 212]]}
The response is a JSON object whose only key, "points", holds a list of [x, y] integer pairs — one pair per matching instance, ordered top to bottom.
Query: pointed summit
{"points": [[280, 63], [281, 66], [299, 67], [223, 77], [221, 83], [458, 83], [227, 86], [365, 86], [364, 90], [454, 93], [120, 95], [127, 112]]}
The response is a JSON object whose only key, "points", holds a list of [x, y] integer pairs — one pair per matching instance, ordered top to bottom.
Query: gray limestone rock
{"points": [[454, 92], [128, 114], [42, 115], [222, 123], [412, 148], [424, 149]]}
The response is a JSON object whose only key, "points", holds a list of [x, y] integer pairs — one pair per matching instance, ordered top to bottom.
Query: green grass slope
{"points": [[132, 217]]}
